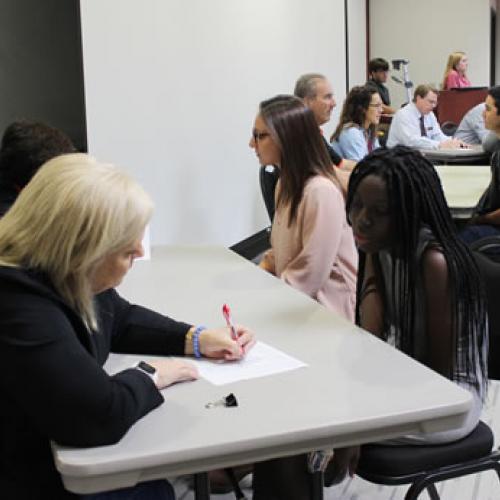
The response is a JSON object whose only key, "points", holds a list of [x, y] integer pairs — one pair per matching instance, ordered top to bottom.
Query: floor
{"points": [[483, 486]]}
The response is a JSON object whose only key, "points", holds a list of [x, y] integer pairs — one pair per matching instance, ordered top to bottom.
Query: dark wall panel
{"points": [[41, 70]]}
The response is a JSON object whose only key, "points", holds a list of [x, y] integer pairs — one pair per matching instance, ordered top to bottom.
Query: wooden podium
{"points": [[454, 103]]}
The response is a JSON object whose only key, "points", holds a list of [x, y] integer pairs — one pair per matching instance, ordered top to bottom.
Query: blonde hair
{"points": [[453, 60], [71, 215]]}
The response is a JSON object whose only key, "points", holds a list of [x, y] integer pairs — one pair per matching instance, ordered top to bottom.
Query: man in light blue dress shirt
{"points": [[416, 126], [473, 131]]}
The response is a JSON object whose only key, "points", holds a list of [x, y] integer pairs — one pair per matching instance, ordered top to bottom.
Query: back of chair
{"points": [[449, 128], [268, 177]]}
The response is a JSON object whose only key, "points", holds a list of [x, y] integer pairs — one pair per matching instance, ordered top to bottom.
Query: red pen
{"points": [[227, 315]]}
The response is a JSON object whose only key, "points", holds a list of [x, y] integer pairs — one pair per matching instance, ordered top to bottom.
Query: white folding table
{"points": [[355, 389]]}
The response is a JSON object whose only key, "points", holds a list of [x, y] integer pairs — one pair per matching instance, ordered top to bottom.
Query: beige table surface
{"points": [[463, 186], [355, 389]]}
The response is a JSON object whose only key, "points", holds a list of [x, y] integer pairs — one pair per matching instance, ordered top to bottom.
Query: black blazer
{"points": [[52, 383]]}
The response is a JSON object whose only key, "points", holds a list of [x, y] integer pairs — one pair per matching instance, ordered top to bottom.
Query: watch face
{"points": [[146, 367]]}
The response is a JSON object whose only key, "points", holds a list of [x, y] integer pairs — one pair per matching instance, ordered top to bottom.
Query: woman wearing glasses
{"points": [[356, 133], [312, 245], [312, 250]]}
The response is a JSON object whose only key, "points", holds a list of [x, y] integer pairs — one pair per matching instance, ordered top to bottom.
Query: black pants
{"points": [[282, 479]]}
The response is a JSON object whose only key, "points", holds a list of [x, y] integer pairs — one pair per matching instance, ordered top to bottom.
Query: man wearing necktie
{"points": [[416, 126], [423, 133]]}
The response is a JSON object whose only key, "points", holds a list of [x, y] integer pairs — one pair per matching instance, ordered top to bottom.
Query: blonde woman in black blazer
{"points": [[67, 241]]}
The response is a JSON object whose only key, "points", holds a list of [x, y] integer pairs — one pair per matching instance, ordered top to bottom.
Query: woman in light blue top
{"points": [[356, 133]]}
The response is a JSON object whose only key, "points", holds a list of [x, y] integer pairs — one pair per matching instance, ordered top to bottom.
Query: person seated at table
{"points": [[378, 71], [455, 74], [316, 92], [416, 126], [471, 128], [356, 132], [26, 145], [486, 218], [68, 240], [312, 246], [418, 285]]}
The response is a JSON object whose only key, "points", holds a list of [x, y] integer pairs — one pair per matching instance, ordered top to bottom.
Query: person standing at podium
{"points": [[455, 74]]}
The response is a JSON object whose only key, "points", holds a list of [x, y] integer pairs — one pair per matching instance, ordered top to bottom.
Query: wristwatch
{"points": [[149, 370]]}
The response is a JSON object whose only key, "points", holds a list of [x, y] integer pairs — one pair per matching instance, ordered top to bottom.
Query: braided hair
{"points": [[416, 199]]}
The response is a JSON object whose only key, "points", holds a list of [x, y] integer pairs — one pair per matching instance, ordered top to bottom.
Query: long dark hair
{"points": [[354, 110], [303, 152], [416, 199]]}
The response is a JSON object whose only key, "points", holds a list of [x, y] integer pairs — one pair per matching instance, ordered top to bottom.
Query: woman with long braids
{"points": [[418, 285]]}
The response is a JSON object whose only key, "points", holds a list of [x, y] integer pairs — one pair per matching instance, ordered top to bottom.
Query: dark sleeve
{"points": [[336, 159], [490, 199], [137, 330], [52, 382]]}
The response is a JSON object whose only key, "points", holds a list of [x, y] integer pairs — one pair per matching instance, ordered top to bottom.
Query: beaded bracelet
{"points": [[196, 341]]}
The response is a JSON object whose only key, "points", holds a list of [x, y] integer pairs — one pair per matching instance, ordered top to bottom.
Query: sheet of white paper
{"points": [[262, 360]]}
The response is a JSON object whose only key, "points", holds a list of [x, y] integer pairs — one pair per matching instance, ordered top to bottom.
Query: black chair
{"points": [[449, 128], [268, 177], [489, 246], [252, 247], [423, 466]]}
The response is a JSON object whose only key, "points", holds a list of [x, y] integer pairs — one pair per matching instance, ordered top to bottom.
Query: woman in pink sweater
{"points": [[455, 74], [313, 247], [312, 250]]}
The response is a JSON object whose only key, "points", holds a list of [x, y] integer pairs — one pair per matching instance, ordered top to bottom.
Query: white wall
{"points": [[356, 29], [426, 32], [172, 88]]}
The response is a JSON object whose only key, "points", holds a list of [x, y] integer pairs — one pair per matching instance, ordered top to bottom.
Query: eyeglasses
{"points": [[432, 102], [258, 136]]}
